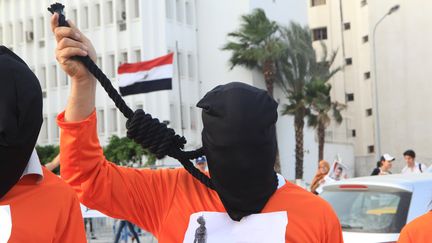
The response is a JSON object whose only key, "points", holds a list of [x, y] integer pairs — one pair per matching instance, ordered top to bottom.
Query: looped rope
{"points": [[142, 128], [152, 134]]}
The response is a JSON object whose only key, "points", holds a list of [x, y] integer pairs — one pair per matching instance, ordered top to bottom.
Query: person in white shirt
{"points": [[412, 167]]}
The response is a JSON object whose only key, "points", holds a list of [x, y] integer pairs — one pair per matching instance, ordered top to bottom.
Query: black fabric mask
{"points": [[20, 117], [239, 141]]}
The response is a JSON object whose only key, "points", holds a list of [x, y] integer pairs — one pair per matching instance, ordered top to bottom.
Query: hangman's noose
{"points": [[143, 128]]}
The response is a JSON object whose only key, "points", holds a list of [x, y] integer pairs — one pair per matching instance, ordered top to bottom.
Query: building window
{"points": [[317, 2], [363, 3], [136, 9], [169, 9], [179, 10], [109, 12], [189, 13], [98, 15], [123, 15], [74, 16], [85, 18], [41, 25], [347, 26], [20, 32], [319, 33], [9, 37], [365, 39], [138, 55], [124, 57], [348, 61], [99, 62], [181, 64], [111, 65], [191, 66], [367, 75], [53, 76], [42, 77], [64, 81], [350, 97], [369, 112], [184, 115], [173, 116], [193, 118], [101, 121], [112, 124], [44, 129], [56, 129], [353, 133], [371, 149]]}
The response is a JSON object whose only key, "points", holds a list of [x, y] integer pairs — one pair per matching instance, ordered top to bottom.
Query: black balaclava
{"points": [[20, 117], [239, 141]]}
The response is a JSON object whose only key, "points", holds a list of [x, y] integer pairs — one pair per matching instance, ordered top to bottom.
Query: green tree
{"points": [[256, 46], [295, 71], [322, 108], [124, 150], [47, 153]]}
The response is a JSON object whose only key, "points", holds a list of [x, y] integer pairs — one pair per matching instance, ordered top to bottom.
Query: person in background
{"points": [[201, 163], [53, 164], [386, 164], [412, 167], [377, 169], [323, 170], [123, 224], [417, 230]]}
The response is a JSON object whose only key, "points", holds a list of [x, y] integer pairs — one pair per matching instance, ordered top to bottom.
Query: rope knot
{"points": [[152, 134]]}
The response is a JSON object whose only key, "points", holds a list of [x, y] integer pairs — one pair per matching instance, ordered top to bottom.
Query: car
{"points": [[376, 208]]}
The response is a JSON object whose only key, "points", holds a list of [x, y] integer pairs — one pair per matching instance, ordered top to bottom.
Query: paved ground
{"points": [[104, 229], [110, 239]]}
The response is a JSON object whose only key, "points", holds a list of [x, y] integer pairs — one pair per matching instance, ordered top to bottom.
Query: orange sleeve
{"points": [[140, 196], [71, 230], [404, 236]]}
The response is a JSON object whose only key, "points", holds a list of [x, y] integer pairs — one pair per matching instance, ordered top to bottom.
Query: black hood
{"points": [[20, 117], [239, 140]]}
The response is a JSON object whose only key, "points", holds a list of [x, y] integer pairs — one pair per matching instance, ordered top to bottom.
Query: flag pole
{"points": [[179, 88]]}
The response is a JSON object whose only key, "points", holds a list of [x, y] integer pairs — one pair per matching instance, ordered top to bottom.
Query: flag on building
{"points": [[148, 76]]}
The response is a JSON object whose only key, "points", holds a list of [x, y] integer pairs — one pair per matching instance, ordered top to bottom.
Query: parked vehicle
{"points": [[375, 209]]}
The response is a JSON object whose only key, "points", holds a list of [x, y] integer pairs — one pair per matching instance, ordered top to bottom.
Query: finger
{"points": [[54, 21], [75, 28], [66, 32], [67, 42], [65, 54]]}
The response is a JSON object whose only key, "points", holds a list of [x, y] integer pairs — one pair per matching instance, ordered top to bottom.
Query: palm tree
{"points": [[256, 46], [295, 71], [319, 100], [321, 105]]}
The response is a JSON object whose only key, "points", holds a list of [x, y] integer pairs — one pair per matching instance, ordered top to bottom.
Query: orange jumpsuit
{"points": [[163, 201], [43, 211], [418, 230]]}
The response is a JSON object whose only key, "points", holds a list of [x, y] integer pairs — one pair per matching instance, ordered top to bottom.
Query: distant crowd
{"points": [[326, 174]]}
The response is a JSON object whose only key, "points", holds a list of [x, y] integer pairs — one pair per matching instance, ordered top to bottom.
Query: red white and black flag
{"points": [[148, 76]]}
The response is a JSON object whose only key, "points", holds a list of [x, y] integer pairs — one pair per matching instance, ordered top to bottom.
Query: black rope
{"points": [[145, 130]]}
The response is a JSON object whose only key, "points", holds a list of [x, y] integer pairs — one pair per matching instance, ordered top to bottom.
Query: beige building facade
{"points": [[402, 54]]}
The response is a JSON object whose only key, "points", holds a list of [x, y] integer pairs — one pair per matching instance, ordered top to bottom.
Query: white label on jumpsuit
{"points": [[216, 227]]}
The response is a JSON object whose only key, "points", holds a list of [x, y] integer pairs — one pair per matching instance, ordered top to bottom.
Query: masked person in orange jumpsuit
{"points": [[249, 203], [35, 205]]}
